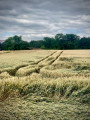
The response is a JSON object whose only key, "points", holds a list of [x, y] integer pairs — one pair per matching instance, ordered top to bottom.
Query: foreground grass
{"points": [[46, 87], [39, 98], [38, 108]]}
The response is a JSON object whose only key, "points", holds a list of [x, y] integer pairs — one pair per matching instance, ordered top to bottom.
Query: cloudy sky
{"points": [[34, 19]]}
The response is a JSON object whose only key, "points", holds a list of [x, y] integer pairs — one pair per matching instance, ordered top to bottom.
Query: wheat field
{"points": [[45, 85]]}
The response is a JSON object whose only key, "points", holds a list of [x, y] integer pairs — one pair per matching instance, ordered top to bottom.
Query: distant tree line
{"points": [[60, 41], [14, 43]]}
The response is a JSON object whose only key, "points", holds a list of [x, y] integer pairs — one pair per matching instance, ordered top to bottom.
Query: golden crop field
{"points": [[11, 59], [45, 85]]}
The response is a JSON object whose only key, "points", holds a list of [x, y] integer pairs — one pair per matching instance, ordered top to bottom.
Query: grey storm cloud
{"points": [[34, 19]]}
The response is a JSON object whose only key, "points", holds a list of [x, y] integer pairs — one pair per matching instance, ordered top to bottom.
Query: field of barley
{"points": [[45, 85]]}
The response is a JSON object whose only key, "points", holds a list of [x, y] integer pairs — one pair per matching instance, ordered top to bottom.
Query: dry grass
{"points": [[76, 53], [17, 58], [50, 59], [53, 69], [25, 71], [38, 85], [56, 85], [37, 108]]}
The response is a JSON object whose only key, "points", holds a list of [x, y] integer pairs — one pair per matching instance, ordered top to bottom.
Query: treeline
{"points": [[60, 41], [14, 43]]}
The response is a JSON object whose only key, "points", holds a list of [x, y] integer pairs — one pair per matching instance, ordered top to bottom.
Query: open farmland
{"points": [[12, 59], [45, 85]]}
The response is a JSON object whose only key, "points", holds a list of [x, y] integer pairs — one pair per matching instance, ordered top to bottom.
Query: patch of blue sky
{"points": [[70, 31], [6, 34]]}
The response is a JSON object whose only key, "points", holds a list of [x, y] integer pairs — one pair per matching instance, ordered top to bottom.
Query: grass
{"points": [[76, 53], [13, 59], [46, 87], [56, 87], [45, 110]]}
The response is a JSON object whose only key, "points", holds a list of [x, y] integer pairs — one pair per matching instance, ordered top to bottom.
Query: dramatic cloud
{"points": [[34, 19]]}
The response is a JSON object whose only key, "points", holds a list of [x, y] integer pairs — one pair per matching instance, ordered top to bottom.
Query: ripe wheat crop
{"points": [[45, 76]]}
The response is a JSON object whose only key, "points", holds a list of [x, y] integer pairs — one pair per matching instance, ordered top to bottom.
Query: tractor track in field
{"points": [[51, 56], [44, 58], [56, 58], [38, 71], [12, 72]]}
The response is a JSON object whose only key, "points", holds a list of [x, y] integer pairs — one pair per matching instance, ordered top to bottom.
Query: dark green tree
{"points": [[61, 41], [15, 43], [84, 43], [24, 45], [0, 46]]}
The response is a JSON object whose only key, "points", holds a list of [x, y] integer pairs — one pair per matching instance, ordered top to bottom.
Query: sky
{"points": [[35, 19]]}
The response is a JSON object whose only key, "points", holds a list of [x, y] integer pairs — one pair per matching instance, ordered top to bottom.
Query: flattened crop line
{"points": [[45, 58], [56, 58], [51, 61], [13, 71]]}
